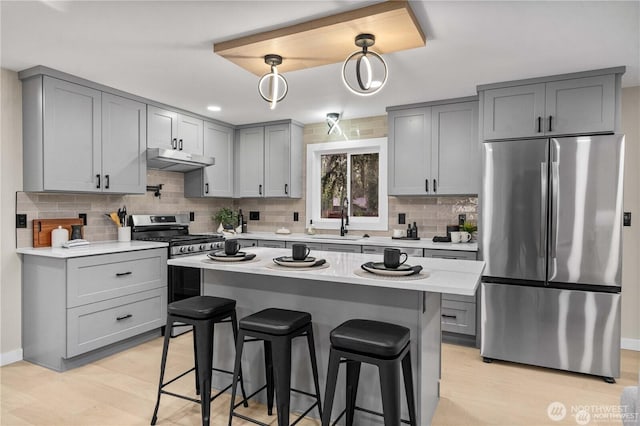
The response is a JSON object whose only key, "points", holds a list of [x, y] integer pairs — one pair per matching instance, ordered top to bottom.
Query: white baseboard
{"points": [[631, 344], [10, 357]]}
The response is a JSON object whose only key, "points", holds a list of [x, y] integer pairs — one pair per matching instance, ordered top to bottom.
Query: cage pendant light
{"points": [[368, 65], [273, 86]]}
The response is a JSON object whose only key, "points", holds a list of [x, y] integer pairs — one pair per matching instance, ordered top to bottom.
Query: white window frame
{"points": [[360, 146]]}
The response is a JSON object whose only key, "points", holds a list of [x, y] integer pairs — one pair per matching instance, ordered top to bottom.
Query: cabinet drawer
{"points": [[248, 243], [271, 243], [312, 246], [344, 248], [412, 252], [450, 254], [95, 278], [459, 298], [458, 317], [99, 324]]}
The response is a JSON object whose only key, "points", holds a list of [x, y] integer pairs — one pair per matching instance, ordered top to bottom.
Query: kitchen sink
{"points": [[336, 237]]}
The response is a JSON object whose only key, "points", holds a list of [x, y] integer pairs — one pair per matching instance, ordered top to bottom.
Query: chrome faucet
{"points": [[343, 223]]}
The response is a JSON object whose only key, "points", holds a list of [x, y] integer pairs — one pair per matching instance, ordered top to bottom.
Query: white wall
{"points": [[10, 182]]}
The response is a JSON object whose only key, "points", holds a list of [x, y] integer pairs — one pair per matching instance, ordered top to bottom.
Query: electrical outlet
{"points": [[254, 215], [83, 216], [192, 216], [296, 217], [402, 218], [461, 219], [626, 219], [21, 221]]}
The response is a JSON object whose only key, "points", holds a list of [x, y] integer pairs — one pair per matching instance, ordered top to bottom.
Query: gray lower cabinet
{"points": [[556, 105], [76, 138], [434, 149], [268, 161], [216, 180], [247, 243], [272, 243], [312, 246], [344, 248], [79, 309], [458, 313]]}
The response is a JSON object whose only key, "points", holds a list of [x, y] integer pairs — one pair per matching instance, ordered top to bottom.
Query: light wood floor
{"points": [[120, 390]]}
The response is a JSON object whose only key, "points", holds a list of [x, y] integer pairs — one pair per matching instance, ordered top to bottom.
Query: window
{"points": [[347, 177]]}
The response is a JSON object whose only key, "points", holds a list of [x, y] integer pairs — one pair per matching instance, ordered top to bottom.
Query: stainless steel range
{"points": [[174, 229]]}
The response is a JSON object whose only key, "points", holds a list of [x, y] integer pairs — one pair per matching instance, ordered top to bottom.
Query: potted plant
{"points": [[226, 219], [471, 228]]}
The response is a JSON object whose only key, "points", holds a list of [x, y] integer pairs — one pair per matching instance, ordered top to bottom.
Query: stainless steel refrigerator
{"points": [[551, 236]]}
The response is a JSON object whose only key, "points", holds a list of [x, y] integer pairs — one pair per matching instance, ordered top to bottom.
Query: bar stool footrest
{"points": [[365, 410], [249, 419]]}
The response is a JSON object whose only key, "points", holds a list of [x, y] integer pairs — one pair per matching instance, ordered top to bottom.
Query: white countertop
{"points": [[424, 243], [103, 247], [445, 275]]}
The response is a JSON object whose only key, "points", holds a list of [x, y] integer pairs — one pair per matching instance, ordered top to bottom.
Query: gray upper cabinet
{"points": [[578, 103], [513, 112], [171, 130], [79, 139], [124, 142], [434, 149], [410, 151], [269, 161], [250, 162], [455, 167], [216, 180]]}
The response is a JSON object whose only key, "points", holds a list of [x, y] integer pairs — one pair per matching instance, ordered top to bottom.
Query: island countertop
{"points": [[450, 276]]}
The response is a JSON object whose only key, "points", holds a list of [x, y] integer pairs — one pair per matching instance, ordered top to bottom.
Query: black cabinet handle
{"points": [[550, 118], [539, 124], [174, 143], [180, 145], [106, 178], [98, 185], [426, 185], [206, 188], [435, 188], [260, 189], [286, 189], [122, 274], [449, 316], [124, 317]]}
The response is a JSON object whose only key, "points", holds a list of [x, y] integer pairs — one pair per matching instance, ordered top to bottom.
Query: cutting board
{"points": [[42, 229]]}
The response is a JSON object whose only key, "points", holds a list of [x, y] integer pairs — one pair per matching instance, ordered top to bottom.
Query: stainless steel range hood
{"points": [[173, 160]]}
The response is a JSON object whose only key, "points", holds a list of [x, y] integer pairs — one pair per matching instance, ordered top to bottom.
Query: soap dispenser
{"points": [[311, 230]]}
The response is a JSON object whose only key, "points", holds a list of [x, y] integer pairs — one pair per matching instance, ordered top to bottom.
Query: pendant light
{"points": [[367, 63], [277, 86], [332, 121]]}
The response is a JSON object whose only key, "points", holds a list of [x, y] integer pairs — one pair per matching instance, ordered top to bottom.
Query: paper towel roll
{"points": [[59, 236]]}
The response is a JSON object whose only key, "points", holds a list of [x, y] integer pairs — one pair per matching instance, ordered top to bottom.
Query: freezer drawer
{"points": [[566, 329]]}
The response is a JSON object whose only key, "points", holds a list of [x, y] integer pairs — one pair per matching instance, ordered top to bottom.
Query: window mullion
{"points": [[349, 183]]}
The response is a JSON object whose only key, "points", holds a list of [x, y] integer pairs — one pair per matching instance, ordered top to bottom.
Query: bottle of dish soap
{"points": [[311, 230]]}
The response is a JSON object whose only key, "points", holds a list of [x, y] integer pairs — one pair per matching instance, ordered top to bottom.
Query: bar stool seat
{"points": [[202, 307], [202, 312], [275, 321], [276, 328], [370, 337], [384, 345]]}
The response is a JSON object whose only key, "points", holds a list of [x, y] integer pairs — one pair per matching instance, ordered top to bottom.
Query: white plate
{"points": [[233, 258], [308, 262]]}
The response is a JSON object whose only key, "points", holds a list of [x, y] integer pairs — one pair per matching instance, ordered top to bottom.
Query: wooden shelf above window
{"points": [[327, 40]]}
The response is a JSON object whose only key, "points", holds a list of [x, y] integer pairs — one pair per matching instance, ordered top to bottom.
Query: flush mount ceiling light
{"points": [[327, 40], [365, 63], [276, 84], [332, 121]]}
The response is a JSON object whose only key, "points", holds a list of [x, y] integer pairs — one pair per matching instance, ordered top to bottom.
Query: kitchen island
{"points": [[333, 295]]}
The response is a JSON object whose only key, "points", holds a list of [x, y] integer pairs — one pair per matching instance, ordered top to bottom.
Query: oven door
{"points": [[182, 283]]}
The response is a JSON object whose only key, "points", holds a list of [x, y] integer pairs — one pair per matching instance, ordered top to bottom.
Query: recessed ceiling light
{"points": [[214, 108]]}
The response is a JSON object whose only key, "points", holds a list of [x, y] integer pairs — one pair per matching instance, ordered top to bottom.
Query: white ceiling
{"points": [[162, 50]]}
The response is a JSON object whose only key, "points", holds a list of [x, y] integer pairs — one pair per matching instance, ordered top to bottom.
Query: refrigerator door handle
{"points": [[543, 206], [554, 210]]}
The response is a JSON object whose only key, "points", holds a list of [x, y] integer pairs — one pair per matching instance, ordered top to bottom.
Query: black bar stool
{"points": [[202, 312], [276, 328], [373, 342]]}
